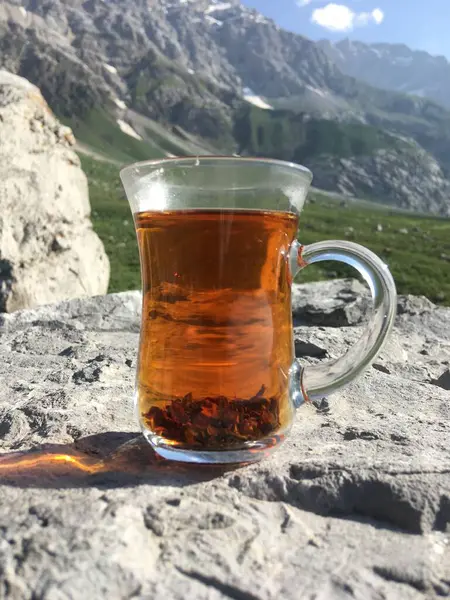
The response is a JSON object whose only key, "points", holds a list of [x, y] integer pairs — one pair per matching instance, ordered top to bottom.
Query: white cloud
{"points": [[302, 3], [334, 16], [378, 16], [338, 17]]}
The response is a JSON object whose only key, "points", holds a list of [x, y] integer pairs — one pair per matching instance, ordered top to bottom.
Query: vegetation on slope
{"points": [[161, 89], [419, 118], [98, 130], [289, 136]]}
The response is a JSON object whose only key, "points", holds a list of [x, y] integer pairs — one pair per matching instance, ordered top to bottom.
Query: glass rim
{"points": [[196, 160]]}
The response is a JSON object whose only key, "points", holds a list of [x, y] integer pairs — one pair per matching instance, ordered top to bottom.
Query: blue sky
{"points": [[420, 25]]}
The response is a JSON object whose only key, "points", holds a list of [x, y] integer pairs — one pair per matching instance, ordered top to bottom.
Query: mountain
{"points": [[223, 43], [393, 67], [147, 78]]}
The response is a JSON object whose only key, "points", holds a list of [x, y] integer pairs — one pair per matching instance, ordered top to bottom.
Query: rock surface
{"points": [[406, 176], [48, 250], [335, 303], [356, 504]]}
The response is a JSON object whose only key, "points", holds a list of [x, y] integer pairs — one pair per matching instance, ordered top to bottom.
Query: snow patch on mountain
{"points": [[217, 7], [213, 21], [110, 68], [317, 91], [251, 97], [120, 103], [126, 128]]}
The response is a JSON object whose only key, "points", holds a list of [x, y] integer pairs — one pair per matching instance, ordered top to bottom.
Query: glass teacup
{"points": [[217, 379]]}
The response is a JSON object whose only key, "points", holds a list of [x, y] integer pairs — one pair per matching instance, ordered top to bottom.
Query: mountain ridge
{"points": [[187, 65], [394, 67]]}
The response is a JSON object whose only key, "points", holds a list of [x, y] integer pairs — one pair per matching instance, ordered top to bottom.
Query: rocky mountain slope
{"points": [[189, 65], [393, 67], [354, 159], [381, 176]]}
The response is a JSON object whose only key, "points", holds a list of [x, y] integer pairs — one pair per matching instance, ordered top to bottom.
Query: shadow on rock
{"points": [[109, 460]]}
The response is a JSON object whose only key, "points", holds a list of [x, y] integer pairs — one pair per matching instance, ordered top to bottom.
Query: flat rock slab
{"points": [[356, 504]]}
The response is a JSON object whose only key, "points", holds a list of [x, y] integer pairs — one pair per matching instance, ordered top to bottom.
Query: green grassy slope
{"points": [[99, 131], [289, 136], [176, 141], [418, 258]]}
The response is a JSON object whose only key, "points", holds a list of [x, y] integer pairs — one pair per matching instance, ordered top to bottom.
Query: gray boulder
{"points": [[48, 250], [334, 303], [355, 504]]}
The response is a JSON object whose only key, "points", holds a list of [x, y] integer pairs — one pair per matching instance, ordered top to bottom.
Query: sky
{"points": [[422, 25]]}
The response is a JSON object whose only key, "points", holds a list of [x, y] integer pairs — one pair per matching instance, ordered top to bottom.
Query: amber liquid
{"points": [[216, 340]]}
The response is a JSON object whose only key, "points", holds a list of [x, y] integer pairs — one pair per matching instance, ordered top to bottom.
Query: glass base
{"points": [[252, 452]]}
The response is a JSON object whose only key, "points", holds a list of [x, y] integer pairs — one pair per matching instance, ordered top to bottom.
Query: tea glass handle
{"points": [[321, 380]]}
